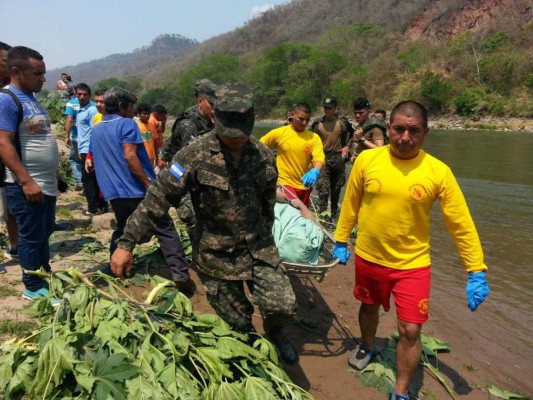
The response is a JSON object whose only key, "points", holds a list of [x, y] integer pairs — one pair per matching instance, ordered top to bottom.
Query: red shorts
{"points": [[303, 194], [374, 284]]}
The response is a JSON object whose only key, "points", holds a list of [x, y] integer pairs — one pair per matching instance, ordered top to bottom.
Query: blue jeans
{"points": [[75, 162], [36, 224]]}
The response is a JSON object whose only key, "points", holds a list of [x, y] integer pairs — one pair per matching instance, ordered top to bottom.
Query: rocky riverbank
{"points": [[456, 122]]}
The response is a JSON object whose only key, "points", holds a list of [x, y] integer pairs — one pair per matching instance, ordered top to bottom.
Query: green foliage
{"points": [[415, 56], [497, 71], [132, 84], [435, 89], [466, 102], [55, 106], [64, 172], [17, 328], [100, 343], [506, 395]]}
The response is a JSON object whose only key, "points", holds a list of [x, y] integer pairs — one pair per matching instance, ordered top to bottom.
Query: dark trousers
{"points": [[330, 182], [91, 188], [36, 224], [165, 231]]}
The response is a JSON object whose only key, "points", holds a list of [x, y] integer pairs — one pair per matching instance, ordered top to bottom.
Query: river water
{"points": [[495, 172]]}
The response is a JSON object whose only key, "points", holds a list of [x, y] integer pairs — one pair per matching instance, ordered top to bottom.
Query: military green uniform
{"points": [[187, 127], [374, 129], [335, 135], [234, 208]]}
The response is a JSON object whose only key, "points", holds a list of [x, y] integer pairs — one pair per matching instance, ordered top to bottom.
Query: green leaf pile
{"points": [[100, 343]]}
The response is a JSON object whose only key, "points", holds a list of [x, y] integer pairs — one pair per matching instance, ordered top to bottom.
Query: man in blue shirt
{"points": [[71, 110], [84, 124], [124, 172], [31, 177]]}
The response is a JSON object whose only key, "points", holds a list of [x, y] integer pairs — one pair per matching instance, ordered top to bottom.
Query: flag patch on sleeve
{"points": [[177, 170]]}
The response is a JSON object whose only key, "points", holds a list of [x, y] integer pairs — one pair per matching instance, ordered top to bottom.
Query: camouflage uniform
{"points": [[188, 126], [374, 128], [332, 178], [234, 208]]}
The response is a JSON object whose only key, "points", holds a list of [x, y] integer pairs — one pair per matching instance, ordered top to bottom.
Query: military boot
{"points": [[287, 351]]}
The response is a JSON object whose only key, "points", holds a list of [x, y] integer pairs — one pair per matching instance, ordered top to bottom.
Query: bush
{"points": [[435, 90], [467, 101], [55, 106]]}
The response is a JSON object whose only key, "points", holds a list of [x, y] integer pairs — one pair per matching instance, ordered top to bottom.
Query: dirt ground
{"points": [[325, 330]]}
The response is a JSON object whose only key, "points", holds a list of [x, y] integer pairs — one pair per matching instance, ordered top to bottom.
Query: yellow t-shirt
{"points": [[97, 119], [148, 133], [295, 152], [391, 200]]}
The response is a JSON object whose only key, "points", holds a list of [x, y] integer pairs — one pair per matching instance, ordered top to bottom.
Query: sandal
{"points": [[397, 396]]}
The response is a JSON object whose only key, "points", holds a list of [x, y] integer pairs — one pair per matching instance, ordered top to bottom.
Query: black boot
{"points": [[274, 333]]}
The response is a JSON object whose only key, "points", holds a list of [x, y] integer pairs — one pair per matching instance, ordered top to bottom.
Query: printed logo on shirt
{"points": [[147, 136], [308, 149], [177, 170], [373, 185], [418, 192], [423, 306]]}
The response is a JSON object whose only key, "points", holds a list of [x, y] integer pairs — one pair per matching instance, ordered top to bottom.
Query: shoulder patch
{"points": [[177, 170]]}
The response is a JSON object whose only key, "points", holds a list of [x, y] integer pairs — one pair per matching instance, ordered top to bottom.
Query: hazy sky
{"points": [[70, 32]]}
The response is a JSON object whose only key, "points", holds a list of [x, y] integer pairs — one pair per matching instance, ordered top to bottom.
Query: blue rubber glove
{"points": [[309, 179], [340, 251], [477, 288]]}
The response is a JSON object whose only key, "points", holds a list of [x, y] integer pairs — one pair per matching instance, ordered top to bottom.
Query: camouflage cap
{"points": [[207, 88], [329, 102], [234, 111]]}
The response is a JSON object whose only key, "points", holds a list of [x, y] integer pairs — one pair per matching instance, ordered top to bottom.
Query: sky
{"points": [[71, 32]]}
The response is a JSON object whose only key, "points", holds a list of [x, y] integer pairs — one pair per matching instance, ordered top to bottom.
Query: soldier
{"points": [[195, 121], [370, 131], [336, 134], [231, 179]]}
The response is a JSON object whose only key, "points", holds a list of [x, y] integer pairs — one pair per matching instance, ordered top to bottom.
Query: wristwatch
{"points": [[362, 139]]}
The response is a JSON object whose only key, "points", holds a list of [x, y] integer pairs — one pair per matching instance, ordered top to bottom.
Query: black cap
{"points": [[329, 102], [361, 103]]}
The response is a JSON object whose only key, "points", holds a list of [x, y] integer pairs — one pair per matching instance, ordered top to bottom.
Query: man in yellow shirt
{"points": [[148, 131], [297, 148], [389, 195]]}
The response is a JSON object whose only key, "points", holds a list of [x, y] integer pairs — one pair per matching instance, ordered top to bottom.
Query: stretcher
{"points": [[319, 271]]}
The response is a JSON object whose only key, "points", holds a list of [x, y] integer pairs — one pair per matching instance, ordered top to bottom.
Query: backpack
{"points": [[374, 122], [17, 137]]}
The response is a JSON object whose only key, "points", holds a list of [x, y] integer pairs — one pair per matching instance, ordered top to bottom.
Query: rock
{"points": [[104, 221]]}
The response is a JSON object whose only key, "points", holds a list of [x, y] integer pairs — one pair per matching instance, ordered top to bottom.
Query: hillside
{"points": [[470, 57], [140, 63]]}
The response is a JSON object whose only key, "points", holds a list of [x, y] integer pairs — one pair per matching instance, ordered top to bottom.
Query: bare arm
{"points": [[69, 124], [130, 154], [11, 159], [318, 165]]}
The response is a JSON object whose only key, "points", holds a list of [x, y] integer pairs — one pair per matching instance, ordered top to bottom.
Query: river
{"points": [[495, 172]]}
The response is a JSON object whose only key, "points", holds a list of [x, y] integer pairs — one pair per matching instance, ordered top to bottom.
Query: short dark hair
{"points": [[4, 46], [19, 57], [84, 87], [100, 92], [115, 96], [143, 107], [303, 107], [410, 108], [160, 109], [381, 111]]}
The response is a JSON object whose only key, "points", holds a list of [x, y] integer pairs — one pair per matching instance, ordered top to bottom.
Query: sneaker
{"points": [[2, 269], [42, 292], [361, 357], [397, 396]]}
